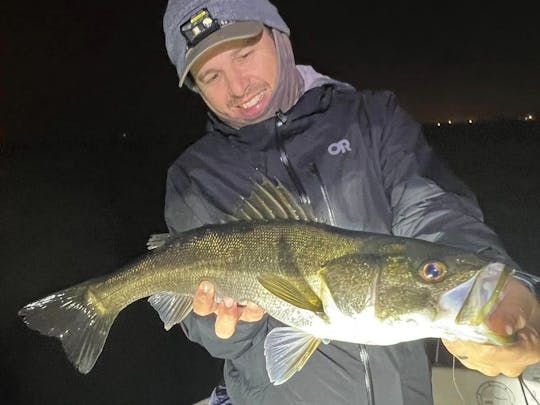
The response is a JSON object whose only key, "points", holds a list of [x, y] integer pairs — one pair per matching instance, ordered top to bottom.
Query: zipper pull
{"points": [[282, 118]]}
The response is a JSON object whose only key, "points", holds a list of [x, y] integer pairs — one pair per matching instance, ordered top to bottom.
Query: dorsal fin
{"points": [[270, 201], [157, 240]]}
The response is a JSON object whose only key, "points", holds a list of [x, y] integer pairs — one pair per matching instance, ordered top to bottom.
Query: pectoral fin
{"points": [[295, 291], [171, 307], [287, 350]]}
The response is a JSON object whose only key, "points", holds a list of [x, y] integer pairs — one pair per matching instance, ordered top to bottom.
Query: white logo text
{"points": [[342, 147]]}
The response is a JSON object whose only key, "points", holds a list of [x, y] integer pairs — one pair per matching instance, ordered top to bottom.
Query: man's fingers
{"points": [[203, 301], [228, 311], [252, 312], [228, 314], [491, 360]]}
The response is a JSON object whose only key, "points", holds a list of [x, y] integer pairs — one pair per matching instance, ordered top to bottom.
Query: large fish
{"points": [[326, 283]]}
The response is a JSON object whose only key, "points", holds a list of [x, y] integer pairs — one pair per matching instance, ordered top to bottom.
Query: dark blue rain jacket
{"points": [[362, 163]]}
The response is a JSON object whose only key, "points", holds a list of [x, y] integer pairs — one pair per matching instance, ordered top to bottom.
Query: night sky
{"points": [[100, 68]]}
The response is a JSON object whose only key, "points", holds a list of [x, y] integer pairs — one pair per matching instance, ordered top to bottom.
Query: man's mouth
{"points": [[253, 101]]}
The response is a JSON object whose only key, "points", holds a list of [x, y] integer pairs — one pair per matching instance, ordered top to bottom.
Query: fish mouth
{"points": [[484, 294], [477, 297]]}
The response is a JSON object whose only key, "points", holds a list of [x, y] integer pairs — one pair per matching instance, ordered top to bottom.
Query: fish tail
{"points": [[75, 317]]}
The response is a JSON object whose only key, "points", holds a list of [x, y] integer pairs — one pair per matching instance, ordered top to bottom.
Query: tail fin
{"points": [[73, 316]]}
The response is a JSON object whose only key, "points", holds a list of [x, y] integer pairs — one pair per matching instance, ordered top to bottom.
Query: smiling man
{"points": [[359, 160]]}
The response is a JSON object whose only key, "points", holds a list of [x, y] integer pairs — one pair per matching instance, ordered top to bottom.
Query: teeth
{"points": [[253, 101]]}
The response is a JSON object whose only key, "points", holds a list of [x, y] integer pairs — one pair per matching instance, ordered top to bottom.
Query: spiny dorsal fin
{"points": [[269, 201], [301, 211]]}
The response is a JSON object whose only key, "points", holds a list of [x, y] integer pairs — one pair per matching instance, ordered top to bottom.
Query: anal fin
{"points": [[171, 307]]}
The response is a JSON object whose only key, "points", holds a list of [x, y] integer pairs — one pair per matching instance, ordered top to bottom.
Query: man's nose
{"points": [[238, 82]]}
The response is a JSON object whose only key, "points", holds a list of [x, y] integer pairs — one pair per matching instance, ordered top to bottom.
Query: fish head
{"points": [[465, 287], [447, 291]]}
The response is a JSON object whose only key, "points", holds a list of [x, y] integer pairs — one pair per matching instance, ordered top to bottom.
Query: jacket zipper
{"points": [[281, 119], [284, 158], [324, 192], [364, 357]]}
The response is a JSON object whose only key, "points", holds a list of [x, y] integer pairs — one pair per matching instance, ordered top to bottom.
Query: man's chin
{"points": [[244, 120]]}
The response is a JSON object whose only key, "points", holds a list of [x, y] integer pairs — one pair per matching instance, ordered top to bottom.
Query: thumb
{"points": [[513, 311], [507, 320]]}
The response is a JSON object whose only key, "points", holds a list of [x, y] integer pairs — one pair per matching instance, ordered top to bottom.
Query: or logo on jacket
{"points": [[338, 147]]}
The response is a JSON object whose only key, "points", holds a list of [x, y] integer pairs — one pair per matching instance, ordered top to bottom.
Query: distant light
{"points": [[470, 121], [449, 122], [438, 124]]}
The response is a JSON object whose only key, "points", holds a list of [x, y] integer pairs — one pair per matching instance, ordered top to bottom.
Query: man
{"points": [[358, 159]]}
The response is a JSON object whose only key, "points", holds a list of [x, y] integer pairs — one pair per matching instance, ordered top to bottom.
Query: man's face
{"points": [[237, 79]]}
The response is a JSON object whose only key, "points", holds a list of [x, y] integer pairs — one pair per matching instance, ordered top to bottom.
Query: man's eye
{"points": [[245, 54], [210, 78]]}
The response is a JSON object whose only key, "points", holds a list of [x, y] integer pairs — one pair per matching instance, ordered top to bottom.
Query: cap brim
{"points": [[229, 32]]}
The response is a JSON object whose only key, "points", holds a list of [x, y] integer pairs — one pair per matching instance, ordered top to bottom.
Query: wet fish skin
{"points": [[325, 282]]}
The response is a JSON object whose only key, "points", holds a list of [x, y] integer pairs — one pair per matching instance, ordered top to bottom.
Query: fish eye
{"points": [[433, 271]]}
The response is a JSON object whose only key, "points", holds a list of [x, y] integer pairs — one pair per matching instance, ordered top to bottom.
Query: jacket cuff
{"points": [[531, 281], [200, 329]]}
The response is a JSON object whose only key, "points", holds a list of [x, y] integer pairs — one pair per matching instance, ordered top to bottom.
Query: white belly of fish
{"points": [[366, 328]]}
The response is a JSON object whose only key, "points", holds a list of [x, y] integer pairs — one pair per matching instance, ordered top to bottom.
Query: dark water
{"points": [[71, 210]]}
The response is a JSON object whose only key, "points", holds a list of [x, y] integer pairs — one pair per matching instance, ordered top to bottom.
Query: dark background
{"points": [[78, 68], [90, 119]]}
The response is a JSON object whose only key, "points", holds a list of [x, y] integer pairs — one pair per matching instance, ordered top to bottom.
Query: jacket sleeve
{"points": [[427, 200], [184, 210]]}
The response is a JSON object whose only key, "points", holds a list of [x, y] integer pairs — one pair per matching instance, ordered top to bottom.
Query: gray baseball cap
{"points": [[192, 27]]}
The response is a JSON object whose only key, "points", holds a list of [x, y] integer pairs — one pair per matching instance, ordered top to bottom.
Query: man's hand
{"points": [[228, 311], [518, 313]]}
